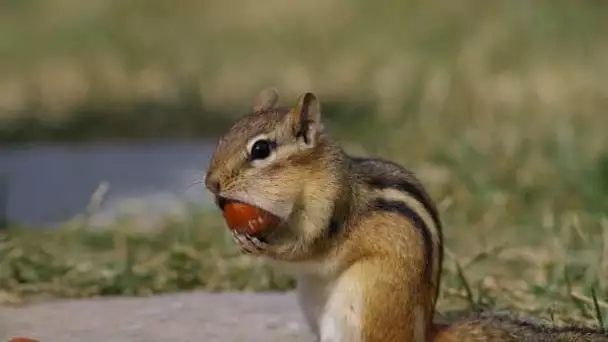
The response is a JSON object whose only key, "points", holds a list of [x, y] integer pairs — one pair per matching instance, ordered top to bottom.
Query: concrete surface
{"points": [[184, 317]]}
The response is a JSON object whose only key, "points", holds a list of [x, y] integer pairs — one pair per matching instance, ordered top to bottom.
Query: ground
{"points": [[183, 317]]}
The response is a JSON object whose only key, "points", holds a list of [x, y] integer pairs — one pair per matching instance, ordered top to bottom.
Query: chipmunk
{"points": [[361, 235]]}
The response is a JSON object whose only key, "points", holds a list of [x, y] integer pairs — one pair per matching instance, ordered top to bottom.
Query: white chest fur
{"points": [[332, 308]]}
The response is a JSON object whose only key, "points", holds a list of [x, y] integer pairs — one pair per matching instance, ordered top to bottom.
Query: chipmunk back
{"points": [[361, 235]]}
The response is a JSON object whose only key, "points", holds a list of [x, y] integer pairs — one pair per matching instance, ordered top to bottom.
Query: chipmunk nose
{"points": [[213, 184], [214, 187]]}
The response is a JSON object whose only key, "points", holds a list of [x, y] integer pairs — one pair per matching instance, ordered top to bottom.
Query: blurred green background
{"points": [[499, 106]]}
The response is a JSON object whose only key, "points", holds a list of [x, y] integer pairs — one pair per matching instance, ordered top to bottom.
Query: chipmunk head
{"points": [[280, 161]]}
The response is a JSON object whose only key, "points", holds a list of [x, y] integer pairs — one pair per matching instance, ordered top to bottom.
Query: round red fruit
{"points": [[246, 218]]}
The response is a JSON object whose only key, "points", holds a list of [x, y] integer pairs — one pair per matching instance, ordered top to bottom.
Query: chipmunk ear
{"points": [[266, 100], [306, 119]]}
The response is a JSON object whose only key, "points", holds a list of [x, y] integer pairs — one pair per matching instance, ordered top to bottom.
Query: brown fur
{"points": [[361, 235], [504, 327]]}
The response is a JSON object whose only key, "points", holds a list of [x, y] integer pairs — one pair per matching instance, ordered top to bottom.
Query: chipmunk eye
{"points": [[261, 149]]}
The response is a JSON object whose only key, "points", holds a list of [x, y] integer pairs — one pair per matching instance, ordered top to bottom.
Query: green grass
{"points": [[499, 107], [76, 262], [561, 278]]}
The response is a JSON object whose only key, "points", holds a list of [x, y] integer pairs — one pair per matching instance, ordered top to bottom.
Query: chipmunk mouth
{"points": [[249, 224], [248, 243]]}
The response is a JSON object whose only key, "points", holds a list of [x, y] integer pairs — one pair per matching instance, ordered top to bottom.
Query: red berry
{"points": [[246, 218]]}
